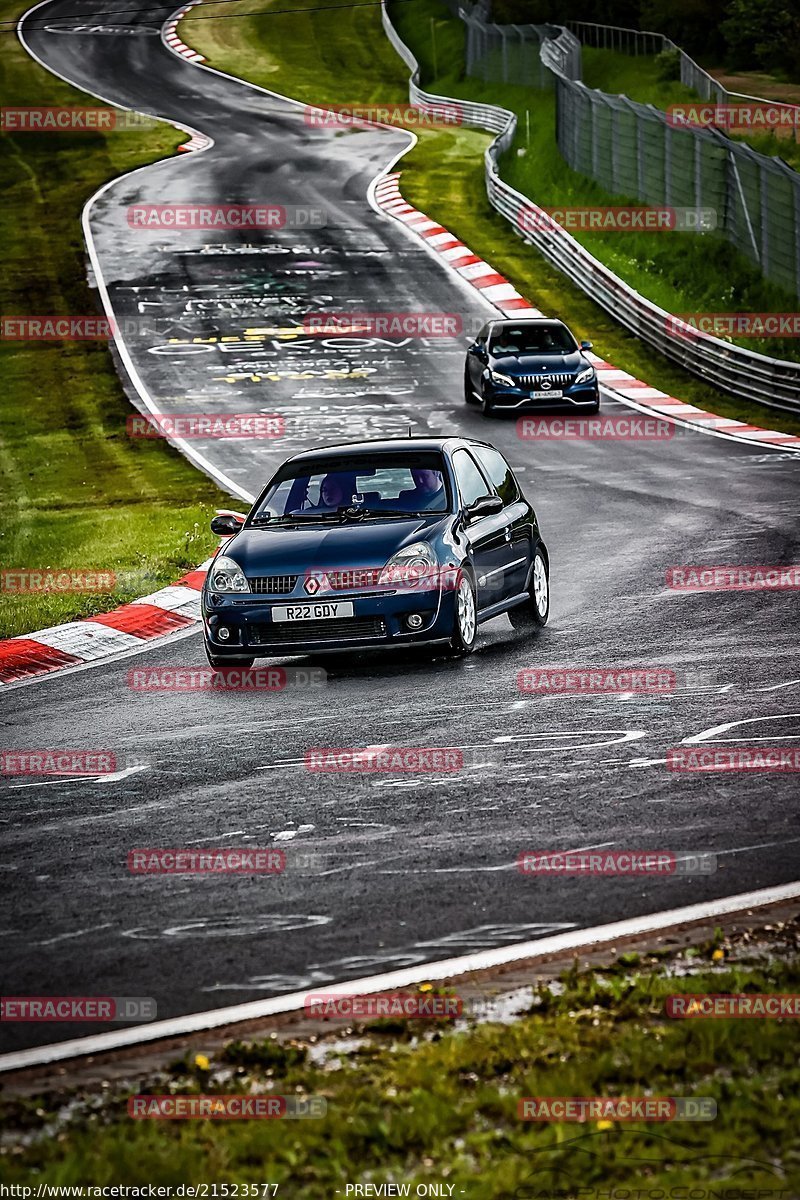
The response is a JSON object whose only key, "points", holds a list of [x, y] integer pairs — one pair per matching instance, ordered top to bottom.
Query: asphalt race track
{"points": [[394, 870]]}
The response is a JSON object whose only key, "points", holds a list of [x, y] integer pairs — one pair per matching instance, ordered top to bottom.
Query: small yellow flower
{"points": [[718, 956], [426, 987], [201, 1062], [603, 1125]]}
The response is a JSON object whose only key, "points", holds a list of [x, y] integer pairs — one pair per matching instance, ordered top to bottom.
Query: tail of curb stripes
{"points": [[179, 47], [507, 299], [94, 638]]}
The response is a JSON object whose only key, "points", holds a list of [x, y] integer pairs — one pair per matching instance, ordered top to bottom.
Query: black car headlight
{"points": [[585, 376], [499, 377], [414, 566], [227, 576]]}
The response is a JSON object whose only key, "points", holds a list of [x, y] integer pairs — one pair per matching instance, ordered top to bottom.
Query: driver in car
{"points": [[505, 343], [428, 491], [332, 492]]}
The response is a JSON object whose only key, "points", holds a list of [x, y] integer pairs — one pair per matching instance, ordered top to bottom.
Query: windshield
{"points": [[533, 339], [345, 487]]}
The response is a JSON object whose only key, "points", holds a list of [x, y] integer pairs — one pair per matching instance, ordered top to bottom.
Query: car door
{"points": [[516, 516], [485, 534]]}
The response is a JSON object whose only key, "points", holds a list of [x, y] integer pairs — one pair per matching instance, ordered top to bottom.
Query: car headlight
{"points": [[586, 375], [498, 377], [413, 566], [227, 576]]}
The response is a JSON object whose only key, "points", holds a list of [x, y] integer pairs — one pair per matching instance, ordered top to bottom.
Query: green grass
{"points": [[341, 57], [635, 76], [79, 493], [420, 1103]]}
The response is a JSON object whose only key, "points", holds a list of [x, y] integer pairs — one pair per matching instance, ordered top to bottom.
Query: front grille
{"points": [[559, 379], [352, 580], [273, 585], [295, 632]]}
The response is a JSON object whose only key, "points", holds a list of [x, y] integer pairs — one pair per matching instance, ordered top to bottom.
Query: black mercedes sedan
{"points": [[533, 363], [376, 544]]}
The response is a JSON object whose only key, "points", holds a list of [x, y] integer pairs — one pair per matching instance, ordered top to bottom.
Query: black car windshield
{"points": [[532, 339], [348, 487]]}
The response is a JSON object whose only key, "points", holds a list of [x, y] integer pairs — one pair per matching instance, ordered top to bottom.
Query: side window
{"points": [[484, 334], [499, 472], [471, 483]]}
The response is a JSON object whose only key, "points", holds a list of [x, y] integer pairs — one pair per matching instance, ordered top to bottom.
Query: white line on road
{"points": [[114, 778], [448, 968]]}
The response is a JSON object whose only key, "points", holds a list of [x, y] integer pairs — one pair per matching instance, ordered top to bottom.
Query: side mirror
{"points": [[586, 345], [484, 506], [227, 523]]}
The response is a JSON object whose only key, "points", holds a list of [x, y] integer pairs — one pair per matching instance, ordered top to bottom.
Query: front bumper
{"points": [[578, 396], [379, 619]]}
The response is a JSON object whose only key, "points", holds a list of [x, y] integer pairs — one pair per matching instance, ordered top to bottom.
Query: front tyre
{"points": [[487, 405], [536, 609], [465, 617], [218, 661]]}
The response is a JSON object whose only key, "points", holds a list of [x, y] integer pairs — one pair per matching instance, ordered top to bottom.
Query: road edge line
{"points": [[443, 969]]}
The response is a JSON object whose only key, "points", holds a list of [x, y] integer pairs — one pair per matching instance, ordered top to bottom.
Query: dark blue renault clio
{"points": [[388, 543]]}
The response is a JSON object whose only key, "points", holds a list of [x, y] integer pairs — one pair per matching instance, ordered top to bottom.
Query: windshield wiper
{"points": [[404, 512], [293, 518]]}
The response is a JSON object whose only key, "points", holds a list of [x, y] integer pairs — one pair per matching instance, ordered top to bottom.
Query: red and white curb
{"points": [[169, 36], [175, 44], [198, 141], [474, 270], [504, 296], [129, 627]]}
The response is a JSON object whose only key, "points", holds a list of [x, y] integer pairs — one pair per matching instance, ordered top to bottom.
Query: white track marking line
{"points": [[113, 778], [63, 937], [480, 960]]}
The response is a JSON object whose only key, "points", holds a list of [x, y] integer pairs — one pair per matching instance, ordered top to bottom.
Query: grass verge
{"points": [[343, 57], [635, 76], [79, 493], [422, 1102]]}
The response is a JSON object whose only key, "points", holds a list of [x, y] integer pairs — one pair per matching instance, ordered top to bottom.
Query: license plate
{"points": [[553, 394], [328, 611]]}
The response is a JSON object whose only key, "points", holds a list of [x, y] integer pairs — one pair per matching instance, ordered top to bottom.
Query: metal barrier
{"points": [[730, 368]]}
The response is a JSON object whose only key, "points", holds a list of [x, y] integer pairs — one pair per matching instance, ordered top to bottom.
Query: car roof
{"points": [[525, 321], [388, 445]]}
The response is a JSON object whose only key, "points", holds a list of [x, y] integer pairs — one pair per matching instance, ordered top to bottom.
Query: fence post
{"points": [[576, 93], [764, 196], [745, 210]]}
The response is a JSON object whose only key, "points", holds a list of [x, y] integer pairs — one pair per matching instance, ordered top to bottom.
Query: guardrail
{"points": [[730, 368]]}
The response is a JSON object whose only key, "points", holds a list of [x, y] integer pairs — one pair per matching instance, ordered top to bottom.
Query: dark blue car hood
{"points": [[535, 364], [290, 550]]}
